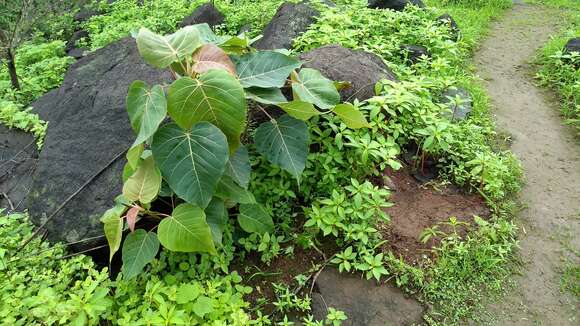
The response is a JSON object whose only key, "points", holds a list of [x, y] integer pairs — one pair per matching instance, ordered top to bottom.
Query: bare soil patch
{"points": [[418, 207]]}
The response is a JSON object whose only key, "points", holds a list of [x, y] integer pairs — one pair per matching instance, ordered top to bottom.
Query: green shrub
{"points": [[162, 16], [40, 67], [561, 72], [13, 115], [39, 287]]}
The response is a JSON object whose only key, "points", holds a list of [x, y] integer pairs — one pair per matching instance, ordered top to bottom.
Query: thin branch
{"points": [[70, 198], [9, 202], [83, 252]]}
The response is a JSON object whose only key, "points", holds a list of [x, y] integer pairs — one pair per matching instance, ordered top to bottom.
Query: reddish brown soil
{"points": [[418, 207], [281, 270]]}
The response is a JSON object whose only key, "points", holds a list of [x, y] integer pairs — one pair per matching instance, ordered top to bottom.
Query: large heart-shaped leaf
{"points": [[207, 35], [160, 51], [210, 57], [265, 69], [310, 86], [265, 95], [216, 97], [147, 108], [299, 110], [351, 117], [284, 142], [134, 156], [192, 162], [239, 168], [143, 185], [227, 189], [217, 218], [254, 218], [113, 227], [186, 230], [139, 249]]}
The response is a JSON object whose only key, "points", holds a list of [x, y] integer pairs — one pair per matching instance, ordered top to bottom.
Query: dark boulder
{"points": [[394, 4], [85, 14], [207, 14], [291, 20], [451, 24], [71, 44], [573, 45], [77, 53], [414, 53], [361, 69], [459, 101], [87, 135], [18, 158], [364, 302]]}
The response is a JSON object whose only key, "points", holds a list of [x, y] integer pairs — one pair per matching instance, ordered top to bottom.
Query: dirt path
{"points": [[551, 159]]}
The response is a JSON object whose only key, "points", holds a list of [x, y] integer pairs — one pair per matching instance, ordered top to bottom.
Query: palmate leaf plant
{"points": [[196, 157]]}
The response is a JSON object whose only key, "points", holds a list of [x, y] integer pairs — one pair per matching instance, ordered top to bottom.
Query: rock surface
{"points": [[394, 4], [206, 13], [291, 20], [447, 20], [573, 45], [414, 53], [361, 69], [461, 110], [88, 128], [18, 157], [363, 301]]}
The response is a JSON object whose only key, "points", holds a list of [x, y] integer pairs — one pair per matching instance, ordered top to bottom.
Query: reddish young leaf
{"points": [[210, 57], [132, 217]]}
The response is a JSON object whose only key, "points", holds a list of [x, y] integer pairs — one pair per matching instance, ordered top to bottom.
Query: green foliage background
{"points": [[333, 200]]}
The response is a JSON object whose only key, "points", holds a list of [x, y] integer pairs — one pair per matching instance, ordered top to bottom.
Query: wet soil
{"points": [[550, 156]]}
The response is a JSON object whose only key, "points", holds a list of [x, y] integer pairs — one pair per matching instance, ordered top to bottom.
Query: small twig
{"points": [[16, 155], [69, 199], [9, 202], [83, 252], [314, 276]]}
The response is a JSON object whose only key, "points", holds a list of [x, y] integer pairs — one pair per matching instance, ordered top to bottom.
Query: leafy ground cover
{"points": [[559, 70], [332, 216]]}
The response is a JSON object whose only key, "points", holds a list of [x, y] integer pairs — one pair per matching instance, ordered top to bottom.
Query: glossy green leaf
{"points": [[207, 35], [160, 51], [265, 69], [310, 86], [265, 95], [216, 96], [147, 108], [299, 110], [351, 116], [284, 143], [134, 155], [192, 162], [239, 168], [143, 185], [227, 189], [217, 218], [254, 218], [113, 227], [186, 230], [139, 249], [187, 292], [202, 306]]}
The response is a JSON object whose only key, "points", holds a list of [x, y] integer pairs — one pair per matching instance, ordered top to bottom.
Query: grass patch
{"points": [[561, 71]]}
